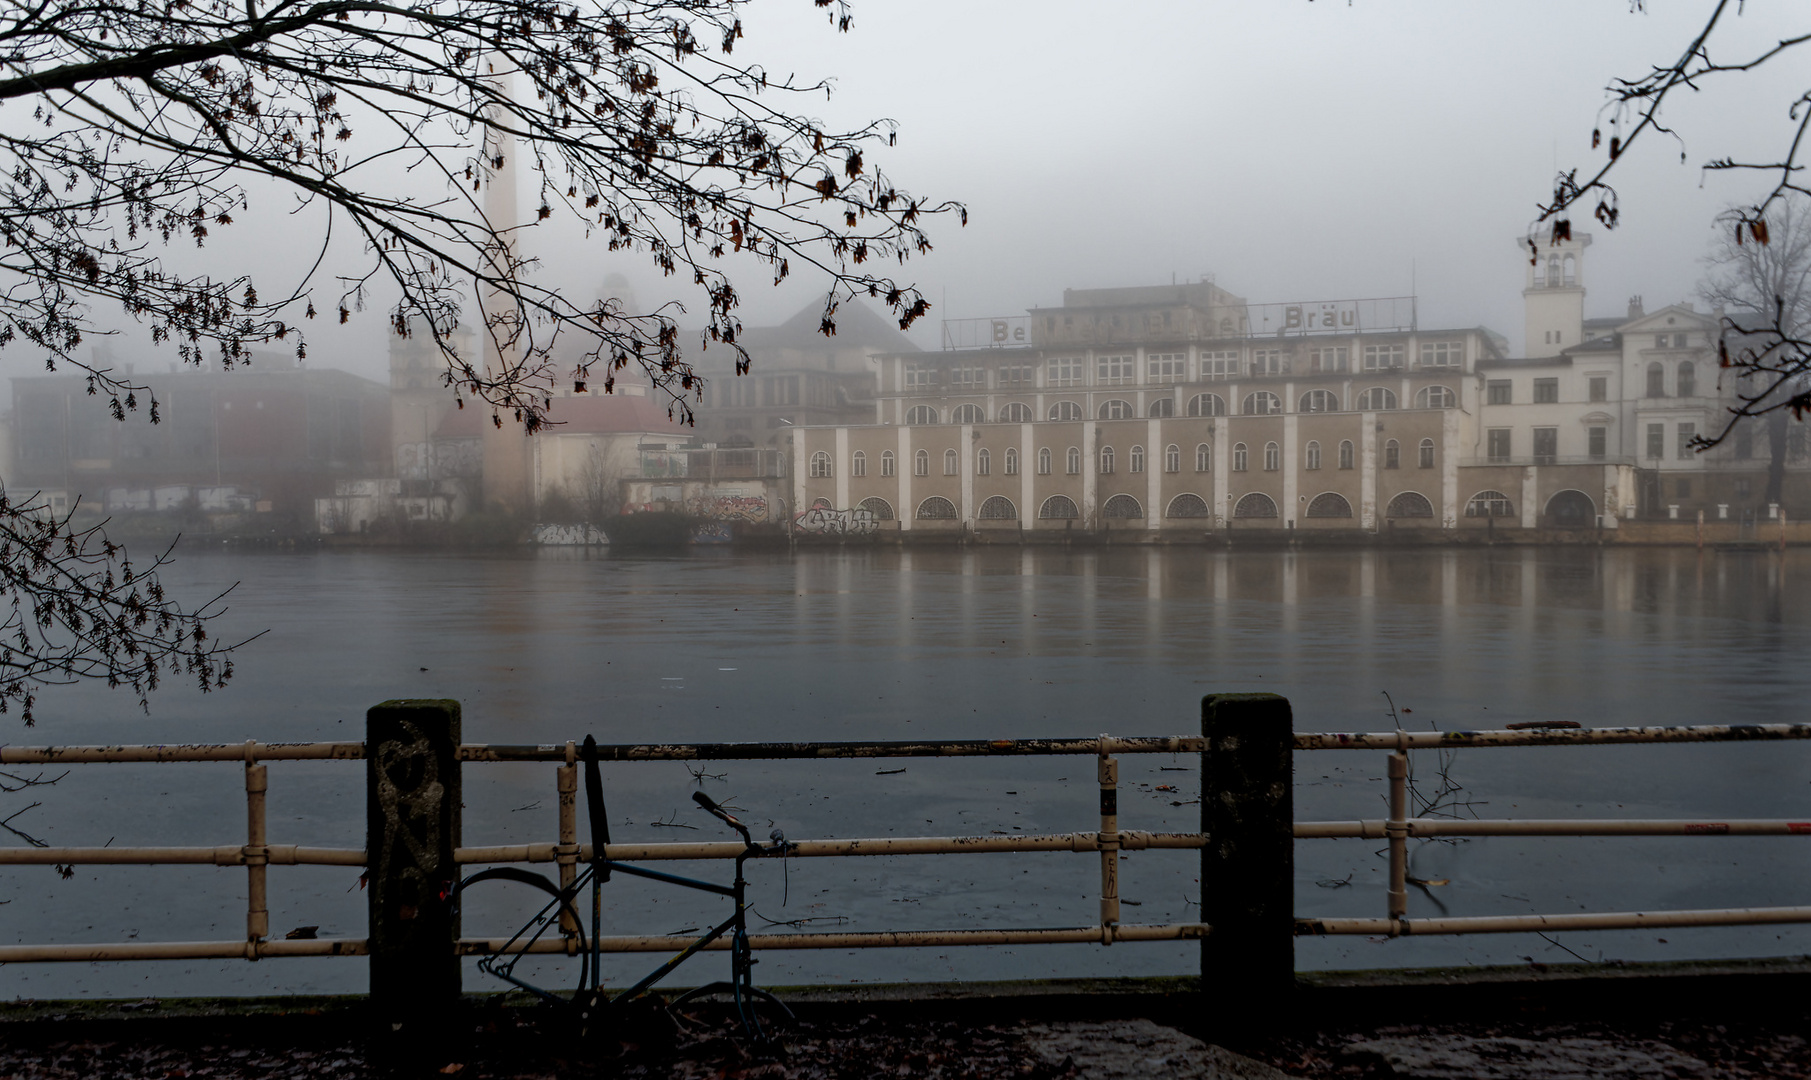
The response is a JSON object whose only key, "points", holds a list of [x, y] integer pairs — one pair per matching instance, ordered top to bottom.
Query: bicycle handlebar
{"points": [[711, 806]]}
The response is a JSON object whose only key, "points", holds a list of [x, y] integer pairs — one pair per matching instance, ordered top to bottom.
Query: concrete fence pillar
{"points": [[412, 796], [1248, 865]]}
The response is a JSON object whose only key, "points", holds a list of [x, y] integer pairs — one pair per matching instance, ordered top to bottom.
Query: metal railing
{"points": [[257, 853]]}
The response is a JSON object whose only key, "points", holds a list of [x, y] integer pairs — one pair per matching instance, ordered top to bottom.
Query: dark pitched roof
{"points": [[857, 326]]}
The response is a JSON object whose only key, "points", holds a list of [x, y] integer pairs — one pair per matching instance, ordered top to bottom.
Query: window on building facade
{"points": [[1661, 341], [1442, 354], [1383, 357], [1329, 361], [1269, 362], [1219, 365], [1166, 367], [1115, 370], [1067, 371], [919, 376], [1017, 376], [968, 378], [1688, 379], [1656, 380], [1599, 388], [1546, 391], [1497, 392], [1436, 397], [1377, 399], [1318, 401], [1262, 403], [1207, 405], [1163, 407], [1117, 409], [1065, 410], [1015, 412], [921, 414], [968, 414], [1687, 432], [1596, 439], [1656, 441], [1496, 443], [1744, 443], [1546, 445], [1345, 454], [1392, 454], [1312, 455], [1204, 457], [1241, 457], [1273, 457], [1172, 458], [1426, 458], [1106, 459], [1135, 460], [1044, 461], [1074, 461], [984, 462], [886, 463], [921, 463], [951, 463], [820, 464], [858, 464], [1010, 464], [1743, 489], [1329, 504], [1409, 504], [1490, 504], [1187, 505], [1255, 505], [879, 507], [1059, 507], [1122, 507], [936, 508], [998, 508]]}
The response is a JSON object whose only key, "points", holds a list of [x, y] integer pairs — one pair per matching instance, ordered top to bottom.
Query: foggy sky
{"points": [[1296, 150]]}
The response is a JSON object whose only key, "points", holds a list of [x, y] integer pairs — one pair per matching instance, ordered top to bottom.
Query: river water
{"points": [[888, 644]]}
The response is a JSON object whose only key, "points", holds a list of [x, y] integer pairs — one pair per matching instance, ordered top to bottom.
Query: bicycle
{"points": [[592, 1010]]}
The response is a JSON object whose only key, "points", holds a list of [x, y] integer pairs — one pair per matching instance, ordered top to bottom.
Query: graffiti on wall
{"points": [[719, 507], [825, 521], [712, 532], [569, 535]]}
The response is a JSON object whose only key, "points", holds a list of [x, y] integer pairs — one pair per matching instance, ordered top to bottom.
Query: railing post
{"points": [[412, 796], [1248, 865]]}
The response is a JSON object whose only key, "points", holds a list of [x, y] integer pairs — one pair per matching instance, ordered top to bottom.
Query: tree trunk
{"points": [[1776, 455]]}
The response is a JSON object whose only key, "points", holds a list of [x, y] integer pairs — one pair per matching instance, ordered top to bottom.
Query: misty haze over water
{"points": [[961, 643]]}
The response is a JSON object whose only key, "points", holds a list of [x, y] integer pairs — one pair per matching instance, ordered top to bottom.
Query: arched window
{"points": [[1571, 270], [1540, 273], [1553, 277], [1688, 379], [1656, 380], [1436, 397], [1376, 399], [1319, 401], [1262, 403], [1207, 405], [1163, 406], [1116, 409], [1065, 410], [1015, 412], [921, 414], [968, 414], [1345, 454], [1313, 455], [1392, 455], [1204, 457], [1241, 457], [1273, 457], [1172, 458], [1426, 458], [1106, 459], [1044, 461], [1074, 461], [984, 462], [1137, 462], [886, 463], [921, 463], [950, 463], [820, 464], [858, 464], [1011, 465], [821, 504], [1329, 504], [1410, 504], [1490, 504], [1255, 505], [1187, 506], [879, 507], [1058, 507], [1121, 507], [936, 508], [999, 508], [1571, 509]]}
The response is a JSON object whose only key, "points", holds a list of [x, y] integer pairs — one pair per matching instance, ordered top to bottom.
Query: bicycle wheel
{"points": [[503, 962], [759, 1013]]}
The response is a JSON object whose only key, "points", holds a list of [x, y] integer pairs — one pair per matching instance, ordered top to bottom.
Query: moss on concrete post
{"points": [[412, 796], [1248, 865]]}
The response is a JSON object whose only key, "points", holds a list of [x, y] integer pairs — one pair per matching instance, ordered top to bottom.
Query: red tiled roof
{"points": [[588, 414]]}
